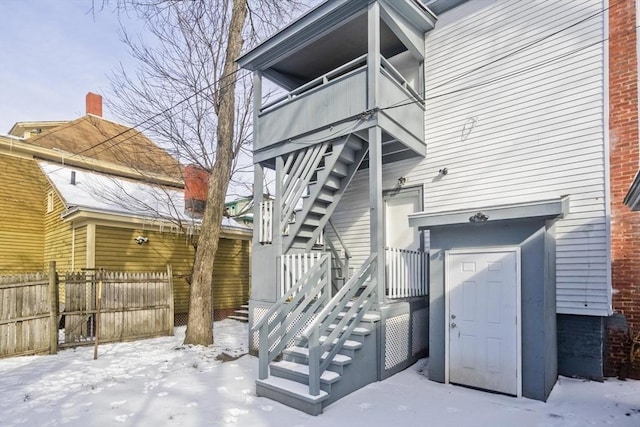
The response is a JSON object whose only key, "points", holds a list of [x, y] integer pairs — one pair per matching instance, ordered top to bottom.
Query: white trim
{"points": [[606, 153], [50, 202], [447, 286]]}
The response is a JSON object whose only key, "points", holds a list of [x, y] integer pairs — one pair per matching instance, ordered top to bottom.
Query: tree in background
{"points": [[189, 94]]}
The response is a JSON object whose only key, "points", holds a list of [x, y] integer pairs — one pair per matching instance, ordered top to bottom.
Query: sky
{"points": [[52, 52], [160, 382]]}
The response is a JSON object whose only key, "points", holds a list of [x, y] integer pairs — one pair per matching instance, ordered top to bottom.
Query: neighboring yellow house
{"points": [[91, 193]]}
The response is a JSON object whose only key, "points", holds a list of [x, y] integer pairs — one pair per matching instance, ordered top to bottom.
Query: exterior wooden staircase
{"points": [[314, 180], [315, 349]]}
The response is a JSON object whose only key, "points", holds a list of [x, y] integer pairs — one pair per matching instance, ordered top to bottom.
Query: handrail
{"points": [[397, 76], [315, 82], [347, 254], [350, 319], [284, 320]]}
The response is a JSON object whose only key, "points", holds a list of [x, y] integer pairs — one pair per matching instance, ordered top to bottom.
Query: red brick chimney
{"points": [[94, 104], [196, 186]]}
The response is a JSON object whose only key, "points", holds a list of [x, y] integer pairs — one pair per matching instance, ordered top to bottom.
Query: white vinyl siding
{"points": [[526, 126], [538, 132]]}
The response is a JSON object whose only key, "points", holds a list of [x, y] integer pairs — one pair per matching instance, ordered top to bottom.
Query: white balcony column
{"points": [[373, 55], [257, 104], [258, 191], [376, 212]]}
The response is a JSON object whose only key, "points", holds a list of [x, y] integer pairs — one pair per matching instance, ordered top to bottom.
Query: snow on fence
{"points": [[294, 266], [406, 273], [25, 314]]}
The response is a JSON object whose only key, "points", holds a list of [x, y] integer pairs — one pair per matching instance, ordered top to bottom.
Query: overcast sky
{"points": [[52, 52]]}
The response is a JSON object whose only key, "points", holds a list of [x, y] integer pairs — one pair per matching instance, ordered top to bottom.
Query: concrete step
{"points": [[242, 312], [239, 318], [292, 394]]}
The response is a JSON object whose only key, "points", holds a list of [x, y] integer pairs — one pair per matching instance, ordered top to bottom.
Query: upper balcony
{"points": [[346, 66]]}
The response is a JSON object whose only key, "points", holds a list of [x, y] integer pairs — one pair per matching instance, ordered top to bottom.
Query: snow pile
{"points": [[160, 382]]}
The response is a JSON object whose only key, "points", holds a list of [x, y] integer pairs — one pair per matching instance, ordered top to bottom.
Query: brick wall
{"points": [[624, 157]]}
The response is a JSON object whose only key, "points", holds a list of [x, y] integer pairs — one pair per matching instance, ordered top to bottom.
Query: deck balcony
{"points": [[336, 103]]}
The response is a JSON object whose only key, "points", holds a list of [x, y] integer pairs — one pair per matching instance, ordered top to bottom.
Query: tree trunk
{"points": [[199, 324]]}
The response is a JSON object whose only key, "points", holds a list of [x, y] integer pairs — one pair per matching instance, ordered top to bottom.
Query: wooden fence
{"points": [[108, 306], [117, 306], [25, 314]]}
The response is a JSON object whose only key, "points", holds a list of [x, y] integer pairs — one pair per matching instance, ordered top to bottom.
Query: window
{"points": [[50, 202]]}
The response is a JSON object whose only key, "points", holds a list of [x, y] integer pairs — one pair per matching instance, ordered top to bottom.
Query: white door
{"points": [[398, 234], [483, 290]]}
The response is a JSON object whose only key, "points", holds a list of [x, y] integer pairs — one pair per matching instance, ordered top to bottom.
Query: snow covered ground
{"points": [[159, 382]]}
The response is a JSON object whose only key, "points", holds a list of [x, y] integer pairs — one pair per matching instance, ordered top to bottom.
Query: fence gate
{"points": [[132, 305]]}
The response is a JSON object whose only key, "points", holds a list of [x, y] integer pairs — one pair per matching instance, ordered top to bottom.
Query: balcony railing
{"points": [[336, 96], [406, 273]]}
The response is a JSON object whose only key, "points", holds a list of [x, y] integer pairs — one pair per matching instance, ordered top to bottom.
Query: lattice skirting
{"points": [[396, 342]]}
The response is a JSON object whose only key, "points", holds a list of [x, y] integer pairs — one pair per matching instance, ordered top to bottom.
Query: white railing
{"points": [[266, 221], [294, 266], [406, 273]]}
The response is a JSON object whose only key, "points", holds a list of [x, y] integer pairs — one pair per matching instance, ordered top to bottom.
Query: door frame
{"points": [[447, 300]]}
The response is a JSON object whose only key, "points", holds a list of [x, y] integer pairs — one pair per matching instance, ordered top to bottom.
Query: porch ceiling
{"points": [[330, 35]]}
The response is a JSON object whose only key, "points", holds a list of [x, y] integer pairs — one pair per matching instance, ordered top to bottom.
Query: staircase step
{"points": [[355, 144], [348, 155], [340, 169], [333, 183], [325, 196], [318, 208], [245, 306], [241, 311], [368, 317], [239, 318], [356, 331], [348, 344], [338, 359], [299, 372], [292, 394]]}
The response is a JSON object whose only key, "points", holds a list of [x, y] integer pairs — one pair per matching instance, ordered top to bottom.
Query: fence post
{"points": [[171, 303], [98, 306], [53, 308]]}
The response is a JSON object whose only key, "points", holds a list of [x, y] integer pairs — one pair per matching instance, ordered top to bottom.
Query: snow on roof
{"points": [[111, 194]]}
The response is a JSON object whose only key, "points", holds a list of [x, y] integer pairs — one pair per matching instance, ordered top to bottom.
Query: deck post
{"points": [[375, 147]]}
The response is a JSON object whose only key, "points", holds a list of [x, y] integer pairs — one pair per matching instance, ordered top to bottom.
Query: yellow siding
{"points": [[22, 208], [57, 241], [80, 248], [116, 249], [231, 274]]}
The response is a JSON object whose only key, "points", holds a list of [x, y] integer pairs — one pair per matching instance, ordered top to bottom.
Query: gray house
{"points": [[440, 172]]}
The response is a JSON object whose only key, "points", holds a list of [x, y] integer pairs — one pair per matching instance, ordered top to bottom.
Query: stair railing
{"points": [[347, 253], [352, 307], [288, 316]]}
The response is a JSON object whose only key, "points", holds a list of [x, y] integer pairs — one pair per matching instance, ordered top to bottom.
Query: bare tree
{"points": [[189, 94]]}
